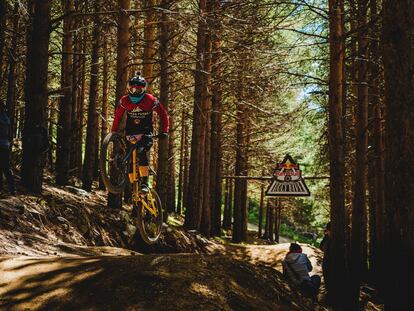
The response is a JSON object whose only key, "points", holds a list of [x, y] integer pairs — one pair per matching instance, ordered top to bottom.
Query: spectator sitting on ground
{"points": [[296, 267]]}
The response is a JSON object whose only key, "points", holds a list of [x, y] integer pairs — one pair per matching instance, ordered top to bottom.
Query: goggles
{"points": [[135, 89]]}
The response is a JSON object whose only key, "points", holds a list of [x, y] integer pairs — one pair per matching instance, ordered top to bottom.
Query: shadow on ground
{"points": [[150, 282]]}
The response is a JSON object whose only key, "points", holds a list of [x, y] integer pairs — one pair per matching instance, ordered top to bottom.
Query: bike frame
{"points": [[134, 178]]}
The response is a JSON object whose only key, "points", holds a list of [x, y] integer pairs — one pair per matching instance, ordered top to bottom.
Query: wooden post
{"points": [[278, 207], [271, 220], [266, 227], [259, 235]]}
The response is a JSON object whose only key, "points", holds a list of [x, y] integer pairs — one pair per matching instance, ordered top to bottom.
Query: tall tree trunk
{"points": [[3, 19], [150, 37], [398, 58], [12, 76], [105, 84], [76, 87], [78, 91], [35, 93], [52, 119], [80, 120], [92, 127], [64, 130], [216, 148], [378, 152], [205, 154], [186, 162], [171, 164], [162, 167], [181, 169], [95, 170], [240, 189], [226, 198], [115, 200], [240, 204], [228, 207], [278, 207], [193, 212], [271, 220], [205, 225], [359, 225], [266, 227], [259, 235], [338, 274]]}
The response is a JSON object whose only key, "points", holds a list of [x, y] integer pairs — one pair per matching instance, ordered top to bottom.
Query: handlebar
{"points": [[137, 137]]}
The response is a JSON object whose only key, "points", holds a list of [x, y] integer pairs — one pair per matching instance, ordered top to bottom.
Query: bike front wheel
{"points": [[113, 164], [149, 218]]}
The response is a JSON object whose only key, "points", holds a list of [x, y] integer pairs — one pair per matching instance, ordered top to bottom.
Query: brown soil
{"points": [[65, 250]]}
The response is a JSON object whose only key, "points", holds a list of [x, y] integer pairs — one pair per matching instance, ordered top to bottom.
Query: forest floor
{"points": [[65, 250]]}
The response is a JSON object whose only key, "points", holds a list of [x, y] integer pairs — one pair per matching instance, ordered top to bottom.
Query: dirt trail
{"points": [[65, 250], [146, 282]]}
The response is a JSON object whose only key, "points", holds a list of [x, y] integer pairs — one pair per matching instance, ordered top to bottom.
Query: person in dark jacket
{"points": [[5, 150], [296, 267]]}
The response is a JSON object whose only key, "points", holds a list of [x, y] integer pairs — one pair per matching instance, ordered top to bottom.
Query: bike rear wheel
{"points": [[113, 163], [149, 225]]}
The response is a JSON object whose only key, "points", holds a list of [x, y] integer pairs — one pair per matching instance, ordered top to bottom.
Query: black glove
{"points": [[163, 135]]}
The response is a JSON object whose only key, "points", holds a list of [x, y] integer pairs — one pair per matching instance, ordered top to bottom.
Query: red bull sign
{"points": [[287, 180]]}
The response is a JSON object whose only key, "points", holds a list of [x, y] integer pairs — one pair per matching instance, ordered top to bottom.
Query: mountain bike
{"points": [[119, 164]]}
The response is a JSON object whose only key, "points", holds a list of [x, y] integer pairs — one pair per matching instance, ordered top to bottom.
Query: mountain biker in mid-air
{"points": [[136, 107]]}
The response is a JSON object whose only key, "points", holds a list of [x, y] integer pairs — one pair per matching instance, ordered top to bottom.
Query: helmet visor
{"points": [[135, 89]]}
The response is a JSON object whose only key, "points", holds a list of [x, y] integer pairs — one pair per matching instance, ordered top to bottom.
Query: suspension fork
{"points": [[134, 176]]}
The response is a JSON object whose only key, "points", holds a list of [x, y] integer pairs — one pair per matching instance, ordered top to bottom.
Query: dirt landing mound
{"points": [[149, 282]]}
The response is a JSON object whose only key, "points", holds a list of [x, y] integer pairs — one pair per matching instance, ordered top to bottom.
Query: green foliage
{"points": [[253, 211], [304, 213], [290, 232]]}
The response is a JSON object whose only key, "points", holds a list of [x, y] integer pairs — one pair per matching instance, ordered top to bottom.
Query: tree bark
{"points": [[3, 19], [150, 38], [398, 58], [12, 76], [105, 84], [35, 92], [80, 120], [92, 127], [64, 130], [216, 148], [205, 154], [171, 163], [186, 163], [377, 163], [162, 165], [181, 166], [241, 169], [115, 200], [228, 207], [278, 207], [193, 212], [271, 220], [359, 225], [266, 226], [259, 235], [338, 274]]}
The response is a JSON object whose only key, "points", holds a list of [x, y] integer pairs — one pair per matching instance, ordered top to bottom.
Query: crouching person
{"points": [[296, 267]]}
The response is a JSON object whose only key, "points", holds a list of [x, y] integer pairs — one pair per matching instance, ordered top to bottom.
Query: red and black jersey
{"points": [[139, 116]]}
